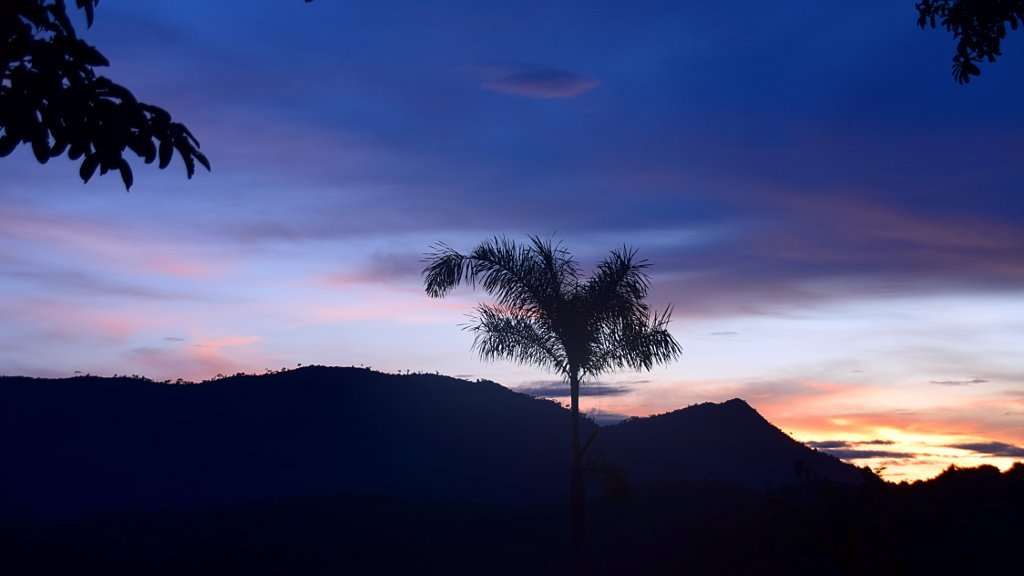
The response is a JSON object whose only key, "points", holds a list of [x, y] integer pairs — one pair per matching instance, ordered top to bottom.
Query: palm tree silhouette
{"points": [[547, 315]]}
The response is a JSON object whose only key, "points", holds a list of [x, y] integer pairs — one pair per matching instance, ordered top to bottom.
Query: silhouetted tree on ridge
{"points": [[546, 314]]}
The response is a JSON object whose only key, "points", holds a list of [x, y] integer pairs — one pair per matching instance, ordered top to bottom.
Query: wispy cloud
{"points": [[533, 82], [98, 240], [807, 250], [382, 268], [82, 283], [70, 324], [229, 342], [191, 363], [958, 382], [561, 389], [828, 444], [993, 448], [850, 450], [856, 454]]}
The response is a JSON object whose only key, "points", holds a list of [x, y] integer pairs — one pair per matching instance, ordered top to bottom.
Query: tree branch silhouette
{"points": [[978, 26], [52, 99]]}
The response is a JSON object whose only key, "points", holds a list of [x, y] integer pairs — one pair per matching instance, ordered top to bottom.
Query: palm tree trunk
{"points": [[577, 495]]}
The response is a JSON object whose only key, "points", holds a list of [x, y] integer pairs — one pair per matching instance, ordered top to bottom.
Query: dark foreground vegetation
{"points": [[349, 471], [966, 521]]}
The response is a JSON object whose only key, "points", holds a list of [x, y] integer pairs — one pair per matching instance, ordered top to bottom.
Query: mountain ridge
{"points": [[88, 443], [744, 448]]}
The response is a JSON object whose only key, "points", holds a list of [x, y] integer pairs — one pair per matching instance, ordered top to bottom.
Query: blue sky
{"points": [[837, 222]]}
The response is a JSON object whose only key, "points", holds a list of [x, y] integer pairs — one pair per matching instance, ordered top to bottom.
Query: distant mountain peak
{"points": [[736, 403], [736, 407], [728, 441]]}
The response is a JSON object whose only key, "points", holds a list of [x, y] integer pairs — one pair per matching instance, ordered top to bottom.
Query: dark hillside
{"points": [[727, 442], [82, 443], [88, 443], [344, 470]]}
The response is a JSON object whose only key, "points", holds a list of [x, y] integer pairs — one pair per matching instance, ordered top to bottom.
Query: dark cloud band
{"points": [[561, 389]]}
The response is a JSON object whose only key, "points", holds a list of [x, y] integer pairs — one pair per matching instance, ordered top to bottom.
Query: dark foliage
{"points": [[978, 26], [52, 99], [548, 315], [964, 522], [351, 534]]}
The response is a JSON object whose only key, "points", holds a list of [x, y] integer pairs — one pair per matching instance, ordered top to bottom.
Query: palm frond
{"points": [[560, 268], [445, 270], [508, 272], [529, 277], [618, 289], [546, 316], [624, 333], [513, 335], [634, 346]]}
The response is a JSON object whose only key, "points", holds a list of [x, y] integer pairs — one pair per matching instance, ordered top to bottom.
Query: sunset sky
{"points": [[839, 225]]}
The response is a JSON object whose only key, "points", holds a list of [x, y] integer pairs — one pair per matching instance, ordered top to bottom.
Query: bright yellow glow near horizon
{"points": [[899, 451], [915, 455]]}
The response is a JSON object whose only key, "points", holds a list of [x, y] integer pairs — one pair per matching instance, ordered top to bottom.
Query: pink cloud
{"points": [[540, 83], [851, 230], [101, 243], [341, 280], [69, 322], [228, 342], [196, 362], [982, 419]]}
